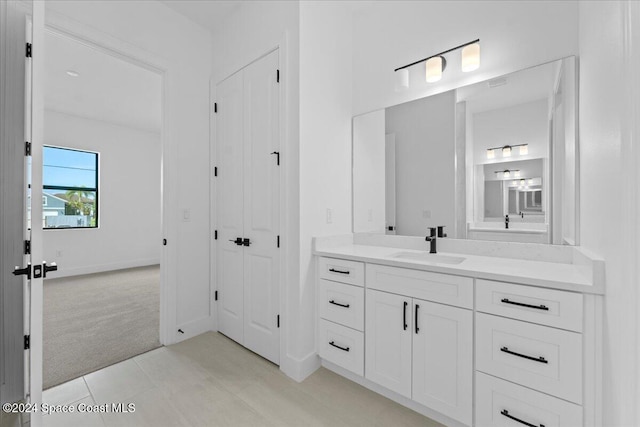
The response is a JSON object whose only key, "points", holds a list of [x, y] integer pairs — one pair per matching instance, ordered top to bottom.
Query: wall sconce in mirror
{"points": [[435, 64], [507, 150], [507, 173]]}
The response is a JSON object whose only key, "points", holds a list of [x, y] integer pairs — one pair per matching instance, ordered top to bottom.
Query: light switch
{"points": [[186, 215], [329, 216]]}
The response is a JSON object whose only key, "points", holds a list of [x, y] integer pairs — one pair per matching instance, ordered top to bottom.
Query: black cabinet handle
{"points": [[48, 268], [338, 271], [338, 304], [521, 304], [417, 307], [404, 316], [337, 346], [524, 356], [506, 414]]}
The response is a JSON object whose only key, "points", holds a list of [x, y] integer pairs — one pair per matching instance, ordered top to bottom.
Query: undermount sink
{"points": [[428, 257]]}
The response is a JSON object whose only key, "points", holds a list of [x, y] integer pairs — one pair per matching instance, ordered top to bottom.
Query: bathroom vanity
{"points": [[479, 334]]}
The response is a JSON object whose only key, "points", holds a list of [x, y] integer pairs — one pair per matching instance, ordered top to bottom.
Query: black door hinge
{"points": [[28, 50], [277, 76], [215, 107], [27, 148], [277, 153], [215, 171], [215, 235], [278, 241], [164, 242], [27, 247], [215, 295], [278, 320], [27, 342]]}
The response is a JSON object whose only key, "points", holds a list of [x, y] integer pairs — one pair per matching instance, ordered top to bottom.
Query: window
{"points": [[70, 185]]}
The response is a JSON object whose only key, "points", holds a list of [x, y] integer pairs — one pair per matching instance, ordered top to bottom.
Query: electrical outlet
{"points": [[186, 215], [329, 216]]}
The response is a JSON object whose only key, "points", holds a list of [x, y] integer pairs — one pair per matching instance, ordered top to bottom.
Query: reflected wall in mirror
{"points": [[496, 160]]}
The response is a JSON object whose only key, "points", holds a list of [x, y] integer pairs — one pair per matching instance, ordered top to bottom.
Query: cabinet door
{"points": [[261, 207], [230, 262], [388, 341], [443, 359]]}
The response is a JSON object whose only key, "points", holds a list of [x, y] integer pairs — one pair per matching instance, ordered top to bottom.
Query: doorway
{"points": [[102, 207]]}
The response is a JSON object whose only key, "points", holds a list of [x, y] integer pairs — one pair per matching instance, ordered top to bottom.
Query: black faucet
{"points": [[506, 221], [432, 239]]}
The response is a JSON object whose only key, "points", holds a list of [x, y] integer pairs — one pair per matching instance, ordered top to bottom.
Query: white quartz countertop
{"points": [[565, 276]]}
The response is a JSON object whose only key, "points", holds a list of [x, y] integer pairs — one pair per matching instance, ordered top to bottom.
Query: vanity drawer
{"points": [[341, 270], [443, 288], [340, 303], [550, 307], [342, 346], [539, 357], [498, 400]]}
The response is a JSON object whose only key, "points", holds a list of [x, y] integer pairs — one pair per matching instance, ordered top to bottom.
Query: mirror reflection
{"points": [[496, 160]]}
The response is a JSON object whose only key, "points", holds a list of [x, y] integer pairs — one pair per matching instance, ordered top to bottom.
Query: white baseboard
{"points": [[90, 269], [299, 369], [421, 409]]}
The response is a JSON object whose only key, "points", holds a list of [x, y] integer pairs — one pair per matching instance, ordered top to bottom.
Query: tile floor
{"points": [[210, 380]]}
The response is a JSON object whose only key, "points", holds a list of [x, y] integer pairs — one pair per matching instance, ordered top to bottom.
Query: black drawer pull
{"points": [[333, 270], [338, 304], [521, 304], [404, 316], [417, 329], [337, 346], [524, 356], [506, 414]]}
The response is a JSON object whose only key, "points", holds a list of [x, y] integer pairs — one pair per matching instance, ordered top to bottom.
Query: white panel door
{"points": [[261, 207], [230, 262], [388, 330], [443, 359]]}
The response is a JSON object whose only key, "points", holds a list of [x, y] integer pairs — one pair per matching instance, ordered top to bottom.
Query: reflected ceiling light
{"points": [[471, 57], [435, 64], [434, 68], [72, 73], [402, 79], [524, 149], [506, 151], [491, 153], [517, 174], [530, 181], [515, 182]]}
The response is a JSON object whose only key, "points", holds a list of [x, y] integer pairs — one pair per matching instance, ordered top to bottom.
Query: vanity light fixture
{"points": [[435, 64], [507, 150], [517, 174], [530, 181], [522, 182]]}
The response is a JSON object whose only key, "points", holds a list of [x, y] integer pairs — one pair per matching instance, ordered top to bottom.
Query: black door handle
{"points": [[238, 241], [246, 242], [47, 268], [333, 270], [17, 271], [338, 304], [521, 304], [417, 307], [404, 316], [337, 346], [524, 356], [506, 414]]}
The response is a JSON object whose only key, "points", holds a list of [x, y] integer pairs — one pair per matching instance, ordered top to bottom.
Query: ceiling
{"points": [[208, 14], [108, 88]]}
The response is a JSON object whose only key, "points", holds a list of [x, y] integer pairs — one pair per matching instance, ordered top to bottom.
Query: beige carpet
{"points": [[96, 320]]}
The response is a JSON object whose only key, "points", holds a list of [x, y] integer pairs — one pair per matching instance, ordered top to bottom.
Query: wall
{"points": [[155, 34], [389, 34], [425, 133], [325, 143], [609, 188], [129, 230]]}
